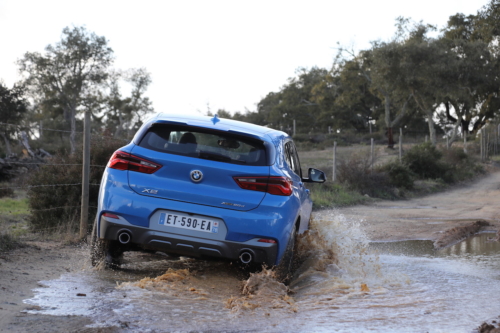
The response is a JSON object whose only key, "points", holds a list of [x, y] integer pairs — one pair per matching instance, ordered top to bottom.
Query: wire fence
{"points": [[18, 180], [15, 209]]}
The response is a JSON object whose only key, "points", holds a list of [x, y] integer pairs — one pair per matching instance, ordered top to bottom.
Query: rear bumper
{"points": [[188, 245]]}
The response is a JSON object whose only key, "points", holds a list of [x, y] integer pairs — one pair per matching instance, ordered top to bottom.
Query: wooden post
{"points": [[465, 143], [481, 144], [400, 145], [487, 145], [372, 153], [334, 170], [84, 216]]}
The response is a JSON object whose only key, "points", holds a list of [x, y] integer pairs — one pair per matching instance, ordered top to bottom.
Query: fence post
{"points": [[465, 143], [481, 144], [400, 145], [487, 145], [372, 153], [334, 170], [85, 177]]}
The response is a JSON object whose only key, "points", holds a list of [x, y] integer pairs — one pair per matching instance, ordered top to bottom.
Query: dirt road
{"points": [[428, 217], [423, 218]]}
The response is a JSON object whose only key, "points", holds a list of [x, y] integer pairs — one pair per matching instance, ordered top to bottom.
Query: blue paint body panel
{"points": [[244, 216]]}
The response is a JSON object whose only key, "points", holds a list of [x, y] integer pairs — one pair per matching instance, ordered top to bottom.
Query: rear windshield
{"points": [[204, 143]]}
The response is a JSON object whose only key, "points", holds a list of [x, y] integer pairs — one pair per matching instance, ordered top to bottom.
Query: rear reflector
{"points": [[125, 161], [272, 185], [113, 216], [265, 240]]}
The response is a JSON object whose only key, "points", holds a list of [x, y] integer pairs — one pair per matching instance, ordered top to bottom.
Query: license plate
{"points": [[187, 222]]}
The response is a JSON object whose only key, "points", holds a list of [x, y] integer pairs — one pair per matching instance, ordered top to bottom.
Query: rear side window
{"points": [[205, 144]]}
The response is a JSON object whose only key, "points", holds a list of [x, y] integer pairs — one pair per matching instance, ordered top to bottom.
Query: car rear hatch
{"points": [[198, 165]]}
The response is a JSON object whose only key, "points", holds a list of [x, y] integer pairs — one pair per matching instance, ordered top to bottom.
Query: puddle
{"points": [[409, 207], [346, 284]]}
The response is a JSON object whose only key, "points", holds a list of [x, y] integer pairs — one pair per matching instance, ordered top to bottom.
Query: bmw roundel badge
{"points": [[196, 176]]}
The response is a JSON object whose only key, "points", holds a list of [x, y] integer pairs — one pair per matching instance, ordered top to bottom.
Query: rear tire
{"points": [[104, 250], [284, 268]]}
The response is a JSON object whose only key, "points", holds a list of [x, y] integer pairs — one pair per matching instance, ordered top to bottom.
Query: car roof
{"points": [[216, 123]]}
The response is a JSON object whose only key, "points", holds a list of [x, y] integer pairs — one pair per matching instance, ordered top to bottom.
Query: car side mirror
{"points": [[315, 176]]}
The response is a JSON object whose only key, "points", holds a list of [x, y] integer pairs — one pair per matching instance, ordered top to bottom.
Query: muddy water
{"points": [[344, 284]]}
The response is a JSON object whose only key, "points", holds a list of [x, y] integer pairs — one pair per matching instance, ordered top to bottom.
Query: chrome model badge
{"points": [[196, 176]]}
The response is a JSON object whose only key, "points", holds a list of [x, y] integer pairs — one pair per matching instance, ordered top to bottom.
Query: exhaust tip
{"points": [[124, 237], [246, 257]]}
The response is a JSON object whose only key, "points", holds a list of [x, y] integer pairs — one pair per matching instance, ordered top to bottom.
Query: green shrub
{"points": [[425, 161], [461, 165], [356, 174], [399, 175], [55, 189], [6, 192], [8, 242]]}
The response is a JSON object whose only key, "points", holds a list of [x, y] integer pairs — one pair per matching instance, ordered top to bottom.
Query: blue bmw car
{"points": [[203, 186]]}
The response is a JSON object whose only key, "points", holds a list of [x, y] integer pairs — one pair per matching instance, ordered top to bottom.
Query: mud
{"points": [[457, 234], [333, 271], [489, 328]]}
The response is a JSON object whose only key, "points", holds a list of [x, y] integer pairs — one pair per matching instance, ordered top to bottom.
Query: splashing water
{"points": [[338, 260], [340, 285]]}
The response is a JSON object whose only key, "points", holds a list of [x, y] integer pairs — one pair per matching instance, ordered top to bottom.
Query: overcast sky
{"points": [[222, 54]]}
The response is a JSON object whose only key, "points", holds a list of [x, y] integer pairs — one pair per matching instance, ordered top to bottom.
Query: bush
{"points": [[424, 161], [461, 165], [356, 174], [399, 175], [6, 192], [52, 204], [7, 242]]}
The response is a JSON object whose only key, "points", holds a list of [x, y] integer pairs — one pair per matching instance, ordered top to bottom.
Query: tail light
{"points": [[125, 161], [272, 185], [266, 240]]}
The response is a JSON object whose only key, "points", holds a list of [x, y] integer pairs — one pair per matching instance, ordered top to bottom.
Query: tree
{"points": [[378, 66], [67, 72], [473, 83], [348, 96], [13, 108], [125, 114]]}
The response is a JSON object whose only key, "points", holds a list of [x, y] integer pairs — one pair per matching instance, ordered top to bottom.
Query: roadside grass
{"points": [[330, 195], [14, 206], [14, 211], [8, 242]]}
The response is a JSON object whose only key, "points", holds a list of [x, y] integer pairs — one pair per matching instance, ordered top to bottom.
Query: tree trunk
{"points": [[422, 105], [388, 123], [120, 124], [73, 130], [432, 130], [454, 134], [390, 138], [7, 144]]}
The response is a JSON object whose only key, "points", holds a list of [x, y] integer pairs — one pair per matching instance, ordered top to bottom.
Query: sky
{"points": [[213, 54]]}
